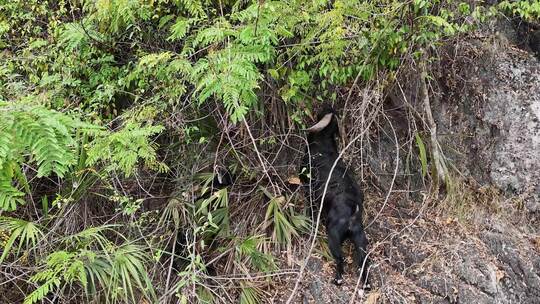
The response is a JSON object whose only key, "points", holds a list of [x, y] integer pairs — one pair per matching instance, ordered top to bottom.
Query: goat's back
{"points": [[342, 184]]}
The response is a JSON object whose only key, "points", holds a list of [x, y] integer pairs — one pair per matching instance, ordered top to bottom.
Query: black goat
{"points": [[342, 205]]}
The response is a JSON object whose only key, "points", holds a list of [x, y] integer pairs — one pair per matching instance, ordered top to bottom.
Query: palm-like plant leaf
{"points": [[25, 232]]}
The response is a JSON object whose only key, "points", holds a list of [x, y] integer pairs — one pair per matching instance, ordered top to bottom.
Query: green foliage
{"points": [[528, 10], [116, 15], [20, 20], [74, 37], [225, 51], [163, 74], [33, 134], [121, 150], [422, 153], [127, 205], [173, 212], [211, 213], [286, 223], [25, 233], [89, 238], [248, 248], [61, 266], [99, 266], [127, 272], [190, 275], [249, 294], [204, 295]]}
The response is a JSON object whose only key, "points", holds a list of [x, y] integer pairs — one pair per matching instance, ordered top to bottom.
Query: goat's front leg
{"points": [[336, 235]]}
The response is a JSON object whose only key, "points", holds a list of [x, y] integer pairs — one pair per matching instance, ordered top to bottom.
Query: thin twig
{"points": [[259, 156]]}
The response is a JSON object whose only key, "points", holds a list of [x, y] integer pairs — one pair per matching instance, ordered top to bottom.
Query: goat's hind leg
{"points": [[336, 236], [358, 236]]}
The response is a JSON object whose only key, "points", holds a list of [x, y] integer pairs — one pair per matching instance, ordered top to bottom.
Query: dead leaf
{"points": [[294, 180], [280, 200], [537, 243], [499, 274], [373, 297]]}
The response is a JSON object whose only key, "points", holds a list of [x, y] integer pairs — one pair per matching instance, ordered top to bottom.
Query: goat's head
{"points": [[326, 127]]}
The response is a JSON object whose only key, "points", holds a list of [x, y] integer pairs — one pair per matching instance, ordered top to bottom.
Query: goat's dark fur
{"points": [[342, 205]]}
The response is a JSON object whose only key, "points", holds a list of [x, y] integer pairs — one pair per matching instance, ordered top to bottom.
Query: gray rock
{"points": [[534, 42], [492, 117], [478, 273], [315, 289]]}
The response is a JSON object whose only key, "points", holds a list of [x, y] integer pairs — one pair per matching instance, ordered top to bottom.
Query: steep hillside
{"points": [[481, 244]]}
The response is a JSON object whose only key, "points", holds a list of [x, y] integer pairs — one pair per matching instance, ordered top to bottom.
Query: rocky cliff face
{"points": [[493, 113]]}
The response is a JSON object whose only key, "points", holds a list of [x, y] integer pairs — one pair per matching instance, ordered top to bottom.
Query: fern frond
{"points": [[194, 7], [116, 15], [179, 29], [214, 34], [73, 36], [254, 53], [151, 60], [181, 66], [231, 77], [35, 134], [46, 135], [6, 146], [123, 149], [10, 196], [248, 249], [62, 266], [119, 271], [42, 291]]}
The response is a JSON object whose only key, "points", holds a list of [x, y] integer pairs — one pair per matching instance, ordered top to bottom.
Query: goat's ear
{"points": [[323, 123]]}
